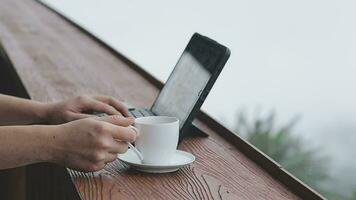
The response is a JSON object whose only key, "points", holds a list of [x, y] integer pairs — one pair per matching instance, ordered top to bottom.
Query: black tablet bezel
{"points": [[220, 63]]}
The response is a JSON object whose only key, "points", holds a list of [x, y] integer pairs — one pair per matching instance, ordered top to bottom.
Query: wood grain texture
{"points": [[55, 60], [214, 175]]}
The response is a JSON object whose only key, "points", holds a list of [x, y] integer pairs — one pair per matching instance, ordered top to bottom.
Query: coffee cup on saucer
{"points": [[157, 143]]}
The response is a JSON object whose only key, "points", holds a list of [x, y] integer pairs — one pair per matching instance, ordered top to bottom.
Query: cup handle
{"points": [[138, 153]]}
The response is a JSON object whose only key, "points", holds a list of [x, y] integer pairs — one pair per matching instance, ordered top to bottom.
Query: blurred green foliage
{"points": [[295, 155]]}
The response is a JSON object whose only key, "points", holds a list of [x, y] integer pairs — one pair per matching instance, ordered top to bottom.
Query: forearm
{"points": [[18, 111], [22, 145]]}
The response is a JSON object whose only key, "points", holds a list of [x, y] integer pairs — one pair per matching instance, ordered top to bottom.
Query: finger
{"points": [[115, 103], [101, 107], [75, 116], [117, 120], [135, 130], [125, 134], [118, 147], [111, 157]]}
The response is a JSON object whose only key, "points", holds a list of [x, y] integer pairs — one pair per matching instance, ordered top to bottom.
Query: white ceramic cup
{"points": [[158, 138]]}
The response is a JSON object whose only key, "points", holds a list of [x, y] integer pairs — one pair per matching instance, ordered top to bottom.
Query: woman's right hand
{"points": [[88, 144]]}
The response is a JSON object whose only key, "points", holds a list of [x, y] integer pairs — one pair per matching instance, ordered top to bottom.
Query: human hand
{"points": [[72, 109], [88, 144]]}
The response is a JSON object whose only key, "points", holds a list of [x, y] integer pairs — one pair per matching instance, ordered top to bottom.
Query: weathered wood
{"points": [[55, 60]]}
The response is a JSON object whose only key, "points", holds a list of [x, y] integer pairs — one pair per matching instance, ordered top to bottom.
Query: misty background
{"points": [[295, 58]]}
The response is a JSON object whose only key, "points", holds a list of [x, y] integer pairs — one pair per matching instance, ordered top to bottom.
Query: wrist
{"points": [[44, 113], [46, 148]]}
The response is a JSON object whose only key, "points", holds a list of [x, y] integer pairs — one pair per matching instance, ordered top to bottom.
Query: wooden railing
{"points": [[49, 58]]}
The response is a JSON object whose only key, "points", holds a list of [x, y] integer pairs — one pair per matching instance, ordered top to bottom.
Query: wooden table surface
{"points": [[55, 60]]}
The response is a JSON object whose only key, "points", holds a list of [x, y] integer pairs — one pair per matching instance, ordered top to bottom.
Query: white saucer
{"points": [[179, 160]]}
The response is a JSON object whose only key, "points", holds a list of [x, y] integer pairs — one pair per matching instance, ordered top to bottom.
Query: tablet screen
{"points": [[188, 79]]}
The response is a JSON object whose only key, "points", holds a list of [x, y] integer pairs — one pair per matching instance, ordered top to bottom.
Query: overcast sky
{"points": [[295, 57]]}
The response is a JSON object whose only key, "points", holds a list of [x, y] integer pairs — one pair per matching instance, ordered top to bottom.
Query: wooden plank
{"points": [[55, 60]]}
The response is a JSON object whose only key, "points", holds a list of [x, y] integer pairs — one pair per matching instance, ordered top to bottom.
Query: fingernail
{"points": [[131, 118], [135, 130]]}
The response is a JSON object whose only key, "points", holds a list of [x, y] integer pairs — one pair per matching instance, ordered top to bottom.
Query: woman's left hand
{"points": [[72, 109]]}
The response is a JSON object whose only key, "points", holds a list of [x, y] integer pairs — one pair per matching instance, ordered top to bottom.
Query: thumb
{"points": [[117, 120]]}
